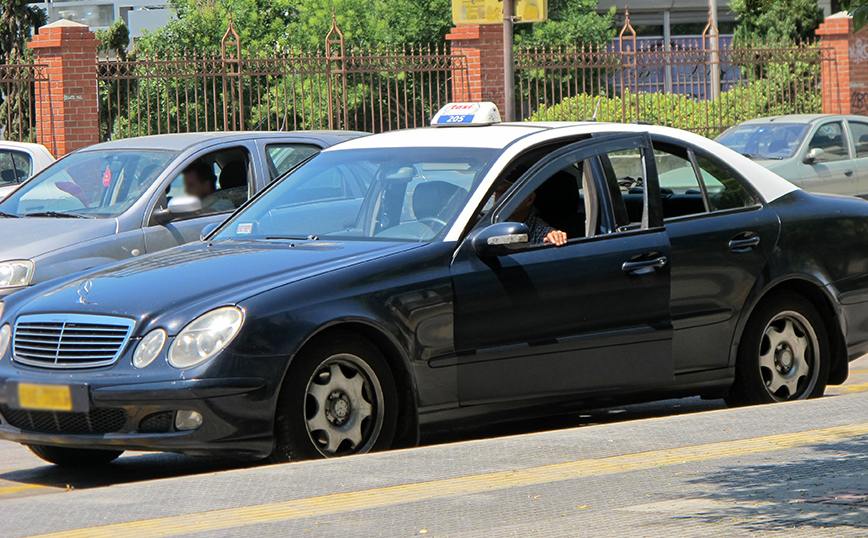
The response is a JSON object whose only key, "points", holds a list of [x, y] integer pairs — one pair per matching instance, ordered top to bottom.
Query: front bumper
{"points": [[237, 415]]}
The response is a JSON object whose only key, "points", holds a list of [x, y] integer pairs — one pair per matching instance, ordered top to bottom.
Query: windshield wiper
{"points": [[5, 215], [56, 215], [291, 238]]}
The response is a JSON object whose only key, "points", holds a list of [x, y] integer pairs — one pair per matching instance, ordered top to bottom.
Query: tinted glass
{"points": [[859, 132], [830, 138], [765, 140], [282, 158], [23, 165], [7, 169], [99, 184], [724, 190], [680, 191], [413, 194]]}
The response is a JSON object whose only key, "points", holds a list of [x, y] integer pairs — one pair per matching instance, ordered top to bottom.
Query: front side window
{"points": [[859, 132], [830, 139], [14, 167], [220, 179], [89, 184], [389, 194]]}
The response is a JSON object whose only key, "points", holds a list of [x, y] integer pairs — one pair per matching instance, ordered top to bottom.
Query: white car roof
{"points": [[516, 137]]}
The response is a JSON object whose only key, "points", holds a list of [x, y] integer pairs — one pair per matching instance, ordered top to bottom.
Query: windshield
{"points": [[765, 140], [91, 184], [392, 194]]}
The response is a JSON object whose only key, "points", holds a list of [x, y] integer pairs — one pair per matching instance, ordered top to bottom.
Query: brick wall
{"points": [[482, 48], [845, 80], [67, 104]]}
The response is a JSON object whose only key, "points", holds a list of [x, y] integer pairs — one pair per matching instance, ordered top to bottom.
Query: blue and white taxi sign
{"points": [[481, 113]]}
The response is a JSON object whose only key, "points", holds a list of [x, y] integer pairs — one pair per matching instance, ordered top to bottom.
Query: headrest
{"points": [[233, 175], [559, 195], [437, 199]]}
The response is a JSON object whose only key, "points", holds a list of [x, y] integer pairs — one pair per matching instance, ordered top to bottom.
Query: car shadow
{"points": [[139, 467], [823, 491]]}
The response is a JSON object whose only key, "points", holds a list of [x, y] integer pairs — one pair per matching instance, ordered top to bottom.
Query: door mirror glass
{"points": [[813, 155], [182, 206], [206, 231], [501, 239]]}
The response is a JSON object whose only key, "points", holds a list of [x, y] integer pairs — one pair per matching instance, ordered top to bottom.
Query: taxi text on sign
{"points": [[491, 11]]}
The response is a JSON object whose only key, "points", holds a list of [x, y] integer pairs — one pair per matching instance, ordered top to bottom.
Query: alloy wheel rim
{"points": [[789, 356], [343, 406]]}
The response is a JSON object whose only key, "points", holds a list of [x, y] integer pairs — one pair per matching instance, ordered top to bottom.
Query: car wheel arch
{"points": [[814, 291], [407, 434]]}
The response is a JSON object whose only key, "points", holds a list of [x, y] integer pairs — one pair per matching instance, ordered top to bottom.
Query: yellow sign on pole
{"points": [[491, 11]]}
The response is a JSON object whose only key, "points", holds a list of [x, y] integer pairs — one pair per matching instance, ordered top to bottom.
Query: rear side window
{"points": [[859, 132], [830, 138], [281, 158], [14, 167], [724, 190], [680, 191]]}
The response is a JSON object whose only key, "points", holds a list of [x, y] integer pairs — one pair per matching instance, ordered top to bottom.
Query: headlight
{"points": [[15, 274], [205, 336], [5, 337], [149, 348]]}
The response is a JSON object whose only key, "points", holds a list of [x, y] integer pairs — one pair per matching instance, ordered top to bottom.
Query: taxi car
{"points": [[125, 198], [320, 321]]}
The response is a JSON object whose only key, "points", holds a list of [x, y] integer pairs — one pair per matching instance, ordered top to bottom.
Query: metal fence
{"points": [[692, 85], [341, 87], [18, 105]]}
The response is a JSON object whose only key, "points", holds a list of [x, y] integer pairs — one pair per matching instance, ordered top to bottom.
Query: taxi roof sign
{"points": [[454, 114]]}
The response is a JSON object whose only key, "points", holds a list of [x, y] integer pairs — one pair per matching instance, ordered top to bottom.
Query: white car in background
{"points": [[19, 161]]}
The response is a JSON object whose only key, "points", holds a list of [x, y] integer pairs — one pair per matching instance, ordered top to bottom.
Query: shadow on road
{"points": [[825, 491]]}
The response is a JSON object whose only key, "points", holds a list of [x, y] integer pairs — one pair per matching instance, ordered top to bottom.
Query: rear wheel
{"points": [[784, 353], [339, 398], [74, 457]]}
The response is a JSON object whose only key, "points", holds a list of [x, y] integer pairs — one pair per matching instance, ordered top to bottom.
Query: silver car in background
{"points": [[818, 152], [121, 199]]}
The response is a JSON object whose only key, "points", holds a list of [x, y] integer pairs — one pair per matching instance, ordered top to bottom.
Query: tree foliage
{"points": [[859, 10], [18, 19], [766, 21], [571, 22]]}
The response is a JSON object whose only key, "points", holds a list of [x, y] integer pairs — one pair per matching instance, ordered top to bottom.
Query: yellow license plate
{"points": [[45, 397]]}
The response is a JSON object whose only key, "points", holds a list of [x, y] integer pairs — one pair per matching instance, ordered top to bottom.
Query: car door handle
{"points": [[848, 173], [743, 244], [642, 267]]}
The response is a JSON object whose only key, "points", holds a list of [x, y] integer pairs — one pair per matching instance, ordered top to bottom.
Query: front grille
{"points": [[69, 340], [96, 421]]}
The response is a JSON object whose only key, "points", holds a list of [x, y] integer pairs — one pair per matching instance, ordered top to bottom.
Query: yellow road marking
{"points": [[865, 371], [855, 388], [6, 490], [396, 495]]}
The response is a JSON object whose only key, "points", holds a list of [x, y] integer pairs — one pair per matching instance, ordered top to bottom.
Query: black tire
{"points": [[760, 369], [299, 401], [74, 457]]}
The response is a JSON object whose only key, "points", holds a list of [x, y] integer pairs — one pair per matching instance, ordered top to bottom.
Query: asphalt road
{"points": [[684, 467]]}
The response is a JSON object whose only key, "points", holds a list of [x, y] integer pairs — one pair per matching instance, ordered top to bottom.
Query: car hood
{"points": [[30, 237], [187, 280]]}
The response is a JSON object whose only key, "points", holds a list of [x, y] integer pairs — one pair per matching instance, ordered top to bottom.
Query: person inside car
{"points": [[200, 181], [540, 230]]}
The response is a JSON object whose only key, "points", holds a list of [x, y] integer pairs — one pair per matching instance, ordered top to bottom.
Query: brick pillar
{"points": [[481, 46], [845, 81], [67, 104]]}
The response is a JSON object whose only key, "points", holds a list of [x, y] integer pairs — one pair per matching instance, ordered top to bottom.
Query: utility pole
{"points": [[715, 47], [508, 62]]}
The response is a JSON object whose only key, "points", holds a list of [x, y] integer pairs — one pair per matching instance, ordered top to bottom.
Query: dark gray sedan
{"points": [[121, 199]]}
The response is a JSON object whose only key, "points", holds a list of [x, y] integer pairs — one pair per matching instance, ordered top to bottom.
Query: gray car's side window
{"points": [[859, 133], [830, 138], [282, 158], [222, 179]]}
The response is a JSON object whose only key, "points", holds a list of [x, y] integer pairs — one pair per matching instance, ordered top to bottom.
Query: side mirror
{"points": [[813, 155], [179, 206], [206, 231], [501, 239]]}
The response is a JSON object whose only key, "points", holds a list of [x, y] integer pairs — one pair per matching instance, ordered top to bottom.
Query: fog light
{"points": [[187, 420]]}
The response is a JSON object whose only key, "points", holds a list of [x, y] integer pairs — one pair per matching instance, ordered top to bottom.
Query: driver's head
{"points": [[199, 180]]}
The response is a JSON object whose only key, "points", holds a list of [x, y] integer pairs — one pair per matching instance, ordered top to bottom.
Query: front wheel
{"points": [[784, 353], [339, 398], [74, 457]]}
